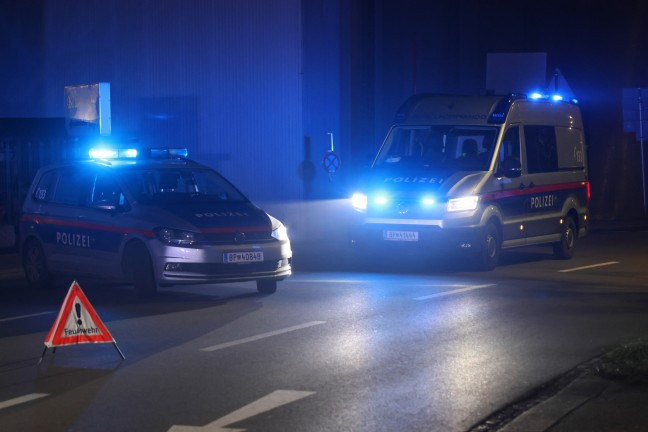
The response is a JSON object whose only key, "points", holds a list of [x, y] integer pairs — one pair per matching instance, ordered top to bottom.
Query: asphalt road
{"points": [[416, 343]]}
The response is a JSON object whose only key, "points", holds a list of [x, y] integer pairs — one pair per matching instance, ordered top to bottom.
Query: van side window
{"points": [[571, 148], [541, 150], [509, 156]]}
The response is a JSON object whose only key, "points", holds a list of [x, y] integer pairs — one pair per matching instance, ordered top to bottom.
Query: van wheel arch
{"points": [[490, 246], [564, 248]]}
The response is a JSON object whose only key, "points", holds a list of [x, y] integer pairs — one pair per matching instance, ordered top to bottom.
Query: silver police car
{"points": [[149, 216]]}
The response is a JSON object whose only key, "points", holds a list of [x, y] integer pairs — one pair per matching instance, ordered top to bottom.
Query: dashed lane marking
{"points": [[588, 267], [452, 292], [26, 316], [262, 336], [22, 399], [269, 402]]}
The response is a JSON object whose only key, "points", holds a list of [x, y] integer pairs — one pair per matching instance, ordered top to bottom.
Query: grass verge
{"points": [[627, 362]]}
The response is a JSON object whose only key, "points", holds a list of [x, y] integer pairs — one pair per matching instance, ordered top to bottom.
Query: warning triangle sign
{"points": [[77, 322]]}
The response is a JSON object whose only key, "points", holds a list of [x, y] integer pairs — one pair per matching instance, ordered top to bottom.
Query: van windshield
{"points": [[454, 148], [179, 185]]}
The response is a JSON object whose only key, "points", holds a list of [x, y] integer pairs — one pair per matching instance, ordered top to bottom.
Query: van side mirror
{"points": [[510, 167]]}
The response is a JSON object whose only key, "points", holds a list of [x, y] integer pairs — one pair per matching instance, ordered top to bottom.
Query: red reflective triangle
{"points": [[77, 322]]}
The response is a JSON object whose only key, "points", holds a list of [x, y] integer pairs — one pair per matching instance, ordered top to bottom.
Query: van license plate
{"points": [[411, 236], [242, 257]]}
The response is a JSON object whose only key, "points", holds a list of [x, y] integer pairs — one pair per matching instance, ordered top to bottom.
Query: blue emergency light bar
{"points": [[498, 116], [133, 153]]}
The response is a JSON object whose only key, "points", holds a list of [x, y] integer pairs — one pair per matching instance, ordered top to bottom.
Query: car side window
{"points": [[72, 187], [45, 189], [106, 192]]}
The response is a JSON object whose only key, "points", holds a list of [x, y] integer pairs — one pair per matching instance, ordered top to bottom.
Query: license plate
{"points": [[411, 236], [242, 257]]}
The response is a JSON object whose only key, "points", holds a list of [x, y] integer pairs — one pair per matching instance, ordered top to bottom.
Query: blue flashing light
{"points": [[552, 97], [105, 152], [169, 152], [102, 153], [128, 153], [381, 200], [427, 201]]}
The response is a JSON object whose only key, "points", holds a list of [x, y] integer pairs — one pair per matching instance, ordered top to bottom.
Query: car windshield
{"points": [[455, 148], [179, 185]]}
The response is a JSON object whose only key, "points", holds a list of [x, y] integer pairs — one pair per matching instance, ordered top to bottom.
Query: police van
{"points": [[479, 174], [150, 216]]}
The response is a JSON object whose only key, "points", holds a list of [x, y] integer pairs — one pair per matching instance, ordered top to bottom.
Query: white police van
{"points": [[479, 174], [150, 216]]}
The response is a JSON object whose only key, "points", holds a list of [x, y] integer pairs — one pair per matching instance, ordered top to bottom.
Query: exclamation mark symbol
{"points": [[77, 307]]}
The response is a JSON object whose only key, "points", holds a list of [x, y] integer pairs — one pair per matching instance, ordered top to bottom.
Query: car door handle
{"points": [[531, 185]]}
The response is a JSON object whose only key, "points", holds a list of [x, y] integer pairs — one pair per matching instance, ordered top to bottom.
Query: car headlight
{"points": [[359, 201], [463, 204], [280, 232], [176, 237]]}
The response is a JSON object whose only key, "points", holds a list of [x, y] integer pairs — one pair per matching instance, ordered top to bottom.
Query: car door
{"points": [[103, 216], [66, 242]]}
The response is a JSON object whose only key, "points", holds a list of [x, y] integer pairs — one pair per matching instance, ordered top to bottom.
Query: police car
{"points": [[478, 174], [150, 216]]}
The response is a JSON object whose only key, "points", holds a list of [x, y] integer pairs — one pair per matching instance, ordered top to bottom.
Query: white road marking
{"points": [[588, 267], [296, 280], [457, 291], [26, 316], [262, 336], [22, 399], [271, 401]]}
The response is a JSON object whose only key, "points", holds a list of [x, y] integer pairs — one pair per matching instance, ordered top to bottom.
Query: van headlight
{"points": [[359, 201], [463, 204], [176, 237]]}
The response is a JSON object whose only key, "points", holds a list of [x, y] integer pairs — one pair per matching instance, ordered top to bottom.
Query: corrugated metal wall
{"points": [[221, 77]]}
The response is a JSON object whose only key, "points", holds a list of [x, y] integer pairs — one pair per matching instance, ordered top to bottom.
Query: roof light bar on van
{"points": [[556, 97], [499, 113]]}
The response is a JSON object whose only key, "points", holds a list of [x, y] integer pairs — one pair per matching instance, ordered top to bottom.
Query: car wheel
{"points": [[490, 248], [564, 249], [140, 265], [35, 266], [266, 286]]}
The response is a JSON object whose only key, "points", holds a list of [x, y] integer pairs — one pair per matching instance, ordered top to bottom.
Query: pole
{"points": [[641, 141]]}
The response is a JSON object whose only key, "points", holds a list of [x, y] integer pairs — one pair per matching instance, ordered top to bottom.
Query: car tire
{"points": [[490, 248], [564, 249], [140, 265], [35, 266], [265, 286]]}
